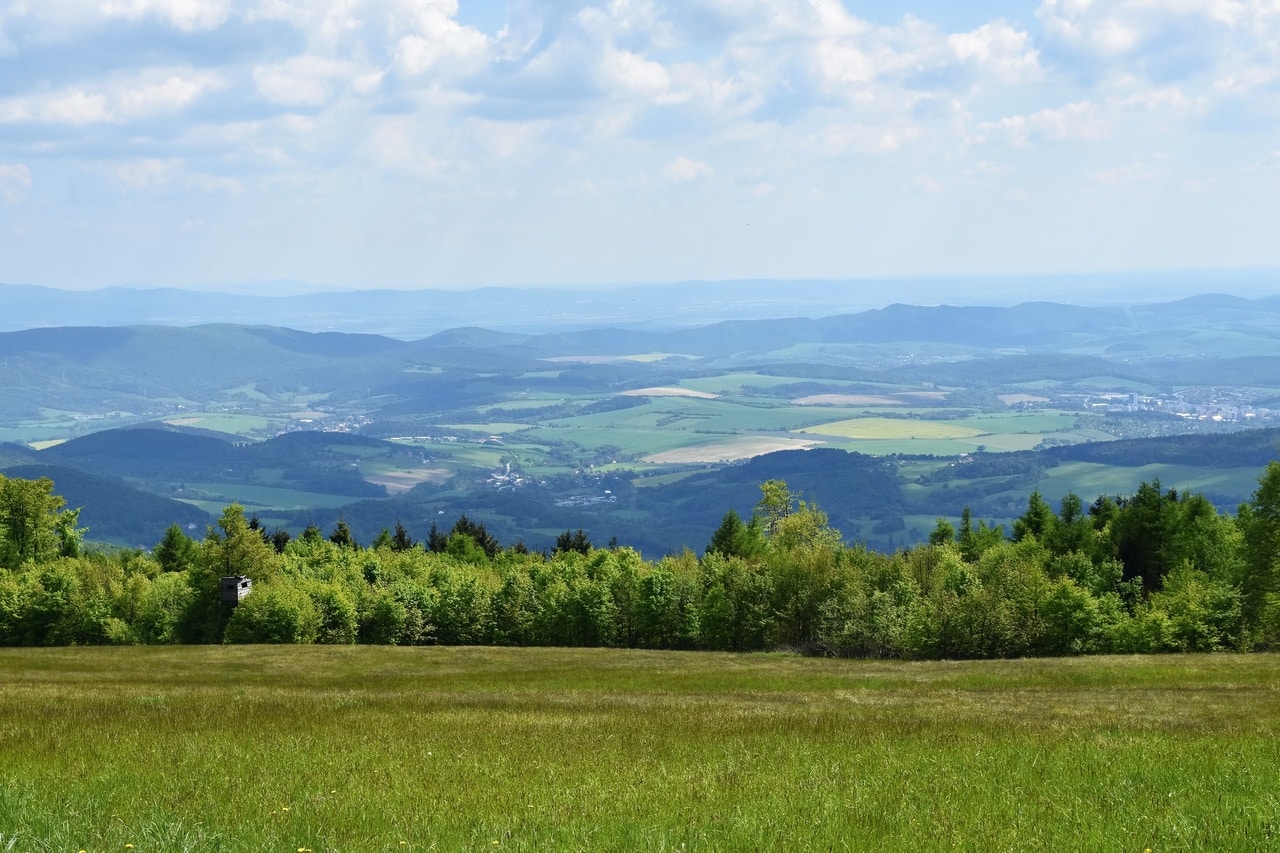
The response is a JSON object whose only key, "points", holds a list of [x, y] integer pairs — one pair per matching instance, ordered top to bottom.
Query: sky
{"points": [[463, 143]]}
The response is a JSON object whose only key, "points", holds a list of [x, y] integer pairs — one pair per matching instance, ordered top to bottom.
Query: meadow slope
{"points": [[365, 748]]}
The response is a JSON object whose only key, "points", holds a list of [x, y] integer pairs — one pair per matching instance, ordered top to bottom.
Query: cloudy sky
{"points": [[457, 143]]}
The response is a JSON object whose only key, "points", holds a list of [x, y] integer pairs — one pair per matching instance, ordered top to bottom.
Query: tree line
{"points": [[1155, 571]]}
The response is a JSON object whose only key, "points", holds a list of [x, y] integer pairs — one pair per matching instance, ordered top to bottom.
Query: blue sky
{"points": [[459, 143]]}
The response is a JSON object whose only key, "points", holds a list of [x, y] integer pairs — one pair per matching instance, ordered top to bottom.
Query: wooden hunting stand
{"points": [[235, 588]]}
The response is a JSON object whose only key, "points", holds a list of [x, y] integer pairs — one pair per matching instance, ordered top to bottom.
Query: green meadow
{"points": [[248, 426], [1090, 479], [218, 495], [386, 749]]}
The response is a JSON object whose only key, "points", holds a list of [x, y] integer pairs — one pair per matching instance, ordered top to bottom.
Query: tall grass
{"points": [[377, 748]]}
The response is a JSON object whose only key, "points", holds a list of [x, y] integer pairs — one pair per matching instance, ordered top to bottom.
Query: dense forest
{"points": [[1154, 571]]}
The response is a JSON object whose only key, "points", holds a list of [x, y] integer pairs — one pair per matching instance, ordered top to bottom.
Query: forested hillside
{"points": [[133, 483], [1154, 571]]}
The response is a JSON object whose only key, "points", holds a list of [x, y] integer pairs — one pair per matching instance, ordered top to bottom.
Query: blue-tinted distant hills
{"points": [[416, 314], [1208, 340]]}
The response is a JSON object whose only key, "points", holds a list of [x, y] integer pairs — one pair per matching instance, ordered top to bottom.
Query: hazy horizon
{"points": [[243, 145], [1004, 289]]}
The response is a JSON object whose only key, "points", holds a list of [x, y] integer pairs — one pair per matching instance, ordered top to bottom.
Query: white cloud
{"points": [[186, 15], [432, 40], [1164, 40], [7, 47], [1002, 51], [631, 73], [308, 80], [155, 92], [167, 93], [347, 103], [1082, 120], [886, 137], [504, 139], [395, 149], [1270, 163], [684, 170], [1139, 171], [147, 174], [150, 175], [15, 183], [925, 183]]}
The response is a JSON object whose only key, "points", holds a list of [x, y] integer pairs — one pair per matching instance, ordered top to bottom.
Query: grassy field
{"points": [[249, 426], [893, 428], [994, 432], [730, 450], [1090, 480], [218, 495], [375, 748]]}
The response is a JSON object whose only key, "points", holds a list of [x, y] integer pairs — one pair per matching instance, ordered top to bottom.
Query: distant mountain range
{"points": [[413, 314], [1201, 340]]}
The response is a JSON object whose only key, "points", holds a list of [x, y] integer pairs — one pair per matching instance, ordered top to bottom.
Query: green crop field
{"points": [[735, 383], [515, 405], [719, 415], [1013, 423], [669, 424], [249, 426], [495, 428], [893, 428], [1090, 480], [218, 495], [388, 749]]}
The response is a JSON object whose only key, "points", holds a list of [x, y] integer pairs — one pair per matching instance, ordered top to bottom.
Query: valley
{"points": [[646, 435]]}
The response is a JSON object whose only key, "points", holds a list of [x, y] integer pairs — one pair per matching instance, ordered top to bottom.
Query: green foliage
{"points": [[776, 503], [1038, 521], [1259, 523], [33, 524], [473, 530], [942, 533], [341, 535], [733, 538], [401, 540], [974, 541], [578, 542], [233, 548], [176, 552], [1061, 586], [161, 605], [667, 606], [736, 612], [275, 613], [1205, 615], [338, 620]]}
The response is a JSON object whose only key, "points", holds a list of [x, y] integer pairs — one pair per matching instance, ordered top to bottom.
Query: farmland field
{"points": [[735, 383], [249, 426], [892, 428], [728, 451], [1090, 480], [218, 495], [376, 748]]}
